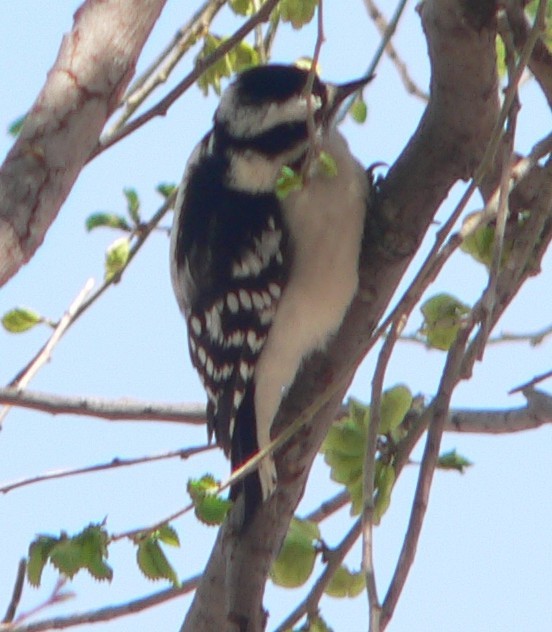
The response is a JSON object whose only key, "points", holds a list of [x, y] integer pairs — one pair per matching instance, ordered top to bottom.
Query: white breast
{"points": [[326, 219]]}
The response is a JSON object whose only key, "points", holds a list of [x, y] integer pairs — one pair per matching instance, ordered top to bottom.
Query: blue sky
{"points": [[484, 557]]}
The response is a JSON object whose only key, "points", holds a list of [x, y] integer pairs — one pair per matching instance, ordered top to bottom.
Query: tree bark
{"points": [[94, 66], [447, 146]]}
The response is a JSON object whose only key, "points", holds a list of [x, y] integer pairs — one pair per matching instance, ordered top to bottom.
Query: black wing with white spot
{"points": [[231, 267]]}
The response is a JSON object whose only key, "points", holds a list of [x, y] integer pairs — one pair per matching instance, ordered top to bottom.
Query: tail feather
{"points": [[244, 446]]}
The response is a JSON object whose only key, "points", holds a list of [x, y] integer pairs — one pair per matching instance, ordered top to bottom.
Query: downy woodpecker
{"points": [[264, 281]]}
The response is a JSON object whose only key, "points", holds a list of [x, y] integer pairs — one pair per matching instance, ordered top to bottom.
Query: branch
{"points": [[93, 68], [448, 144], [113, 410], [537, 413], [459, 420], [110, 612]]}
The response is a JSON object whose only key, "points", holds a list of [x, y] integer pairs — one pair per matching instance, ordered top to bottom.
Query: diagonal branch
{"points": [[94, 66], [161, 108]]}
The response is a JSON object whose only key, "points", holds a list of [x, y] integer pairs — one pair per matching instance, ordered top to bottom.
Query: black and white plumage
{"points": [[264, 282]]}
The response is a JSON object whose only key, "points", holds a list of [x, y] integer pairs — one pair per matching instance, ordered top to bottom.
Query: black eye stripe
{"points": [[274, 141]]}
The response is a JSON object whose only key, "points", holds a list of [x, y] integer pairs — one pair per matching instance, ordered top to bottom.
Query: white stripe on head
{"points": [[247, 121]]}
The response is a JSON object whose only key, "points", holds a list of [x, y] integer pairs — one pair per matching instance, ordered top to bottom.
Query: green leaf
{"points": [[242, 7], [298, 12], [243, 56], [240, 57], [500, 57], [213, 75], [359, 110], [14, 127], [328, 165], [288, 181], [165, 189], [133, 205], [108, 220], [479, 242], [116, 257], [443, 317], [20, 319], [395, 403], [359, 413], [345, 438], [345, 444], [344, 449], [453, 461], [385, 480], [207, 484], [209, 507], [212, 510], [168, 535], [93, 541], [85, 550], [39, 551], [67, 557], [152, 561], [295, 562], [345, 583]]}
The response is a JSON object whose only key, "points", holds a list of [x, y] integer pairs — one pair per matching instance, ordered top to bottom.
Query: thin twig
{"points": [[386, 38], [400, 65], [159, 71], [511, 91], [161, 108], [314, 142], [503, 210], [145, 231], [82, 302], [532, 338], [23, 378], [531, 383], [440, 409], [117, 462], [369, 468], [329, 507], [131, 534], [16, 592], [57, 596], [110, 613]]}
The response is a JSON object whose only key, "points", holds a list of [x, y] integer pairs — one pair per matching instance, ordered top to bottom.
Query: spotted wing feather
{"points": [[231, 267]]}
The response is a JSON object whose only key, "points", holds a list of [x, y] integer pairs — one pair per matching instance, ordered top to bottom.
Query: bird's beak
{"points": [[337, 93]]}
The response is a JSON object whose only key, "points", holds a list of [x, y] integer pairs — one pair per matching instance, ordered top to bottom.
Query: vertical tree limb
{"points": [[447, 145]]}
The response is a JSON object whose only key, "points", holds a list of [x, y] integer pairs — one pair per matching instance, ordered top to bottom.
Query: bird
{"points": [[265, 277]]}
